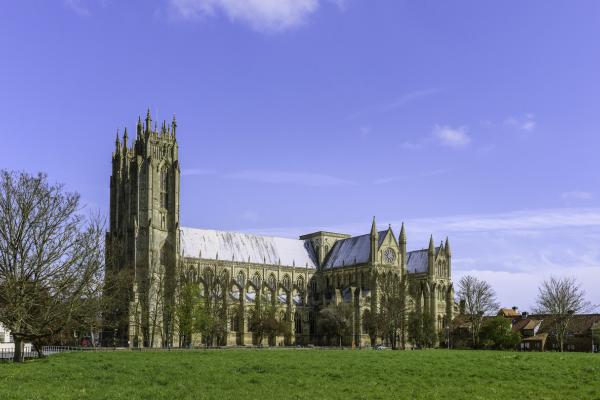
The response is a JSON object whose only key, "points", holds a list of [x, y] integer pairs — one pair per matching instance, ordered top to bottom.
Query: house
{"points": [[509, 312], [538, 332], [5, 336]]}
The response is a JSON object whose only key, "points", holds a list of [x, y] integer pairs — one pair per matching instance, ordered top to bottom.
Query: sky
{"points": [[476, 120]]}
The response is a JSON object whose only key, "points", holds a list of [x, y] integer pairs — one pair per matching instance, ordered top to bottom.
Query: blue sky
{"points": [[472, 119]]}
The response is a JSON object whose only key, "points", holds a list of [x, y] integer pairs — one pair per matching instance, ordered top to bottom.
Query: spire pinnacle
{"points": [[148, 121], [173, 126], [139, 127], [125, 137], [117, 143], [373, 227], [402, 234], [431, 245], [447, 247]]}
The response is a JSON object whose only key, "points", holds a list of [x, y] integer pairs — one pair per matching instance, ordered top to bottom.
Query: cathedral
{"points": [[147, 245]]}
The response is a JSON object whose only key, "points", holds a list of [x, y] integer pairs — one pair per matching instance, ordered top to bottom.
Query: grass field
{"points": [[305, 374]]}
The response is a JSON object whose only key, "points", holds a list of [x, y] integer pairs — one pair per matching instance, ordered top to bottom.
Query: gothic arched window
{"points": [[164, 185], [240, 279], [256, 280], [298, 323]]}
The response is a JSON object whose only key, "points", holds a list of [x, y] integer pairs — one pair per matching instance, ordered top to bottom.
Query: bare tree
{"points": [[49, 255], [561, 298], [480, 300], [156, 304], [392, 309]]}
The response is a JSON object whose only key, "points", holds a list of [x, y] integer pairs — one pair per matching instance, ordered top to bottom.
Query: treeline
{"points": [[560, 298], [202, 310]]}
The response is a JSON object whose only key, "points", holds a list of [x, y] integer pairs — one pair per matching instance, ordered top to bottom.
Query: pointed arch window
{"points": [[164, 186]]}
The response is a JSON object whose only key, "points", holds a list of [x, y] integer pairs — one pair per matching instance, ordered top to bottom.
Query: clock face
{"points": [[389, 256]]}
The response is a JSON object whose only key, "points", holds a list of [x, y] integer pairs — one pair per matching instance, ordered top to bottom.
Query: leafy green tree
{"points": [[187, 310], [209, 315], [264, 321], [335, 321], [370, 322], [415, 329], [421, 330], [497, 332], [430, 336]]}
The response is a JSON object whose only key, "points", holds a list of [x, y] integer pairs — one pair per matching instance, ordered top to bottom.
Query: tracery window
{"points": [[164, 183], [240, 278], [256, 280], [297, 323]]}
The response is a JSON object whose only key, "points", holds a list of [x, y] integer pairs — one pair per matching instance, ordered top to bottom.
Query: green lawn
{"points": [[305, 374]]}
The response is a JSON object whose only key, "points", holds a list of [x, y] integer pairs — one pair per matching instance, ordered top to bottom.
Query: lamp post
{"points": [[448, 332]]}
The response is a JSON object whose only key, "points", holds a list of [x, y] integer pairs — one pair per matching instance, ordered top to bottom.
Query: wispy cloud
{"points": [[78, 6], [260, 15], [407, 98], [396, 103], [524, 123], [451, 137], [407, 145], [196, 172], [295, 178], [392, 179], [576, 195], [514, 221]]}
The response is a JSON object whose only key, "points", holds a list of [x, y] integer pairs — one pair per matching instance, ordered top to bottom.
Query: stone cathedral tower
{"points": [[142, 242], [149, 256]]}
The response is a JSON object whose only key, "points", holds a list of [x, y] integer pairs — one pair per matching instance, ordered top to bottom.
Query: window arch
{"points": [[164, 186], [240, 278], [256, 280], [272, 282], [297, 323]]}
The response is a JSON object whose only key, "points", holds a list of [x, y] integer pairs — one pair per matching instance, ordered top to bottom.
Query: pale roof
{"points": [[246, 247]]}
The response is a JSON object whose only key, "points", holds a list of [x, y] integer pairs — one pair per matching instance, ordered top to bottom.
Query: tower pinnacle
{"points": [[402, 234]]}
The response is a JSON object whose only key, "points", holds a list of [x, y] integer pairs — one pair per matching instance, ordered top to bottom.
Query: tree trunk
{"points": [[562, 341], [38, 349], [18, 355]]}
